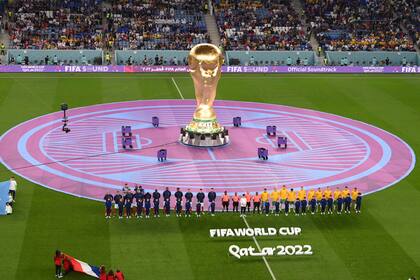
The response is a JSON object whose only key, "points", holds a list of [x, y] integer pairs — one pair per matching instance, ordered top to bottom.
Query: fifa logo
{"points": [[408, 69]]}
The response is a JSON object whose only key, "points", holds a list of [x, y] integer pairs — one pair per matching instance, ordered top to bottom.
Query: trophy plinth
{"points": [[205, 62]]}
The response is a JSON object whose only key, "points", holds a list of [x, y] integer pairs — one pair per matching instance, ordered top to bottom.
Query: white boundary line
{"points": [[177, 88], [259, 249]]}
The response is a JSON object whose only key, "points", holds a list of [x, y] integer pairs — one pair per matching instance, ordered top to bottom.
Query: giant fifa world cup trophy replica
{"points": [[205, 63]]}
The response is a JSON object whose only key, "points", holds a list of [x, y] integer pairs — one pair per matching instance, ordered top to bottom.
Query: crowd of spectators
{"points": [[408, 11], [46, 24], [106, 24], [158, 24], [260, 25], [347, 25], [354, 25]]}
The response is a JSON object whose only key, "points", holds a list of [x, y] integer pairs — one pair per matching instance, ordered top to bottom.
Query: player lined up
{"points": [[313, 201], [301, 202], [142, 203]]}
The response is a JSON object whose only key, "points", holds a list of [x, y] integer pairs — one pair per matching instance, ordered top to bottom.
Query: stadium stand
{"points": [[409, 14], [44, 24], [172, 25], [260, 25], [353, 25]]}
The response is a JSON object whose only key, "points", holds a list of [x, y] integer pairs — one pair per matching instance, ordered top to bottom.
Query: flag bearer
{"points": [[58, 259], [111, 275], [119, 275]]}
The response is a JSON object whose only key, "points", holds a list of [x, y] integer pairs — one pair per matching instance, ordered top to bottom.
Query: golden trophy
{"points": [[205, 63]]}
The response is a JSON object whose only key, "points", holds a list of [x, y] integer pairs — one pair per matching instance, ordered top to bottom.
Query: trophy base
{"points": [[204, 126], [204, 140]]}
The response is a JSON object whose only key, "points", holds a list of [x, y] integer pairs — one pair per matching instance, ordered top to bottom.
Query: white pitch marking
{"points": [[177, 88], [114, 136], [291, 140], [303, 140], [138, 141], [269, 141], [104, 142], [212, 155], [259, 249]]}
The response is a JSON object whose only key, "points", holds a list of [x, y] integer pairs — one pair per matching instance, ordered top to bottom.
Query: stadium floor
{"points": [[380, 243]]}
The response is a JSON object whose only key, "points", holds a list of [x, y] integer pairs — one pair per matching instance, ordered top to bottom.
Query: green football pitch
{"points": [[381, 243]]}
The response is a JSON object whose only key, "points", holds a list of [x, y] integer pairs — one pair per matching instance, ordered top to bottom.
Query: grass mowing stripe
{"points": [[177, 88], [374, 241], [259, 249]]}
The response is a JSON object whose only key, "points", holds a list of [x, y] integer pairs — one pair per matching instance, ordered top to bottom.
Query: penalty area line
{"points": [[177, 88], [259, 249]]}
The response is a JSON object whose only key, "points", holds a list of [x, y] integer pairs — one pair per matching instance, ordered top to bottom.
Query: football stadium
{"points": [[209, 139]]}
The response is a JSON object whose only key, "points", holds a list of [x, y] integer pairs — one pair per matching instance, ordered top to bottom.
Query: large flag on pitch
{"points": [[83, 267]]}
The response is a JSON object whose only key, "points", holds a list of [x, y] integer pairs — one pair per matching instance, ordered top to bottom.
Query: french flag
{"points": [[83, 267]]}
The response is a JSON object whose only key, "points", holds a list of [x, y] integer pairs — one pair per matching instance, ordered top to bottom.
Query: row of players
{"points": [[285, 200]]}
